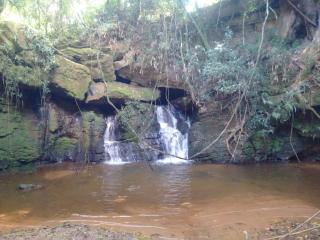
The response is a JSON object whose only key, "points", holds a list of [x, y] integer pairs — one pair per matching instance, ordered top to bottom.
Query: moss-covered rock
{"points": [[79, 54], [19, 62], [99, 62], [70, 79], [120, 91], [124, 91], [19, 138], [64, 144], [62, 148]]}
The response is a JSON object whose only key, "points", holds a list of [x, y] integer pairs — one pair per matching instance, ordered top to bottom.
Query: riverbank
{"points": [[289, 229], [69, 231]]}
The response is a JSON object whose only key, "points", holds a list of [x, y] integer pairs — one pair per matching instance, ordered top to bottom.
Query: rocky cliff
{"points": [[54, 100], [57, 114]]}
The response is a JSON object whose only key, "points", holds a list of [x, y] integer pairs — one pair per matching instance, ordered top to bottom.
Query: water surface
{"points": [[175, 201]]}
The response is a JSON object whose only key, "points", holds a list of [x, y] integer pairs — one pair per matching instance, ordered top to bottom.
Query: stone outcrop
{"points": [[147, 76], [117, 91]]}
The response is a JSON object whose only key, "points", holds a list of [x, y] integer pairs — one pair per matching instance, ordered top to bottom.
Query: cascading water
{"points": [[169, 139], [175, 143], [111, 146]]}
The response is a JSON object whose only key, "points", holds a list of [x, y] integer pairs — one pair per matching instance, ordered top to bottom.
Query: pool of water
{"points": [[165, 201]]}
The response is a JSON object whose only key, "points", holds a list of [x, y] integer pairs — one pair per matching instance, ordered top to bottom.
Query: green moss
{"points": [[82, 54], [22, 58], [102, 68], [71, 79], [124, 91], [19, 142], [62, 145]]}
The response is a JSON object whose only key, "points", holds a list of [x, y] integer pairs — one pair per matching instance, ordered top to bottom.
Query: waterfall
{"points": [[170, 136], [175, 143], [111, 146]]}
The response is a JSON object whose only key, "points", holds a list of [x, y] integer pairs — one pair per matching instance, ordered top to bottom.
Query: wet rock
{"points": [[29, 187]]}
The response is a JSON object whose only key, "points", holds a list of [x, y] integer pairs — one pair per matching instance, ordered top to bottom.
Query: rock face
{"points": [[206, 127], [62, 135], [19, 136], [73, 136]]}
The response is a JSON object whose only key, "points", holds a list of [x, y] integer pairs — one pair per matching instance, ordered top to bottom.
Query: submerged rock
{"points": [[29, 186]]}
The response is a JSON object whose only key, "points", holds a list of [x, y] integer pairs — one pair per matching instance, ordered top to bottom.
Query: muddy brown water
{"points": [[168, 202]]}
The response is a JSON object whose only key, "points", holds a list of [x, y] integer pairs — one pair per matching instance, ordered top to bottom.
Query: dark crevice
{"points": [[121, 79], [169, 94]]}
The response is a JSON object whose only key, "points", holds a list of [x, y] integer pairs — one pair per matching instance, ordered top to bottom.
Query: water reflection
{"points": [[175, 185], [112, 186], [161, 187], [135, 189]]}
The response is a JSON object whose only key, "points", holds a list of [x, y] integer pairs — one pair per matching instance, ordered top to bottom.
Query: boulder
{"points": [[99, 62], [150, 77], [70, 79], [117, 91]]}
